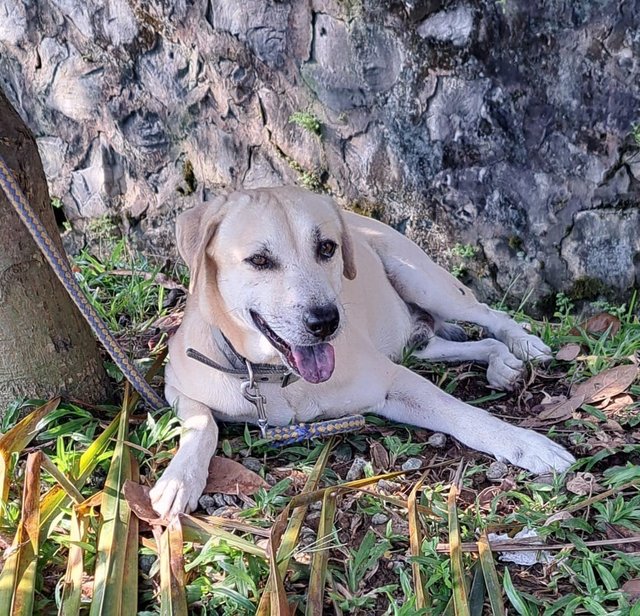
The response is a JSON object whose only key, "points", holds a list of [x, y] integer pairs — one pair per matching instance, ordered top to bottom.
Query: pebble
{"points": [[437, 440], [253, 464], [412, 464], [357, 469], [497, 470], [271, 479], [389, 487], [207, 502], [379, 518], [145, 562]]}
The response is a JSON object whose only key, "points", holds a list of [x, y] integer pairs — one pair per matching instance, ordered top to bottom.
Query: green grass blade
{"points": [[16, 439], [296, 520], [114, 529], [199, 531], [415, 546], [130, 573], [18, 577], [72, 585], [494, 589], [477, 594], [315, 595], [173, 599], [460, 600], [519, 604]]}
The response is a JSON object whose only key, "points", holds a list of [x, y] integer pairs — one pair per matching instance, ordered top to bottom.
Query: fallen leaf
{"points": [[598, 324], [568, 352], [607, 384], [619, 403], [558, 409], [379, 457], [230, 477], [584, 484], [137, 496], [485, 497], [557, 517], [632, 589]]}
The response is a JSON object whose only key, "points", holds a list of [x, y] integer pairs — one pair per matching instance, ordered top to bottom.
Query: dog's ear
{"points": [[195, 229], [346, 246]]}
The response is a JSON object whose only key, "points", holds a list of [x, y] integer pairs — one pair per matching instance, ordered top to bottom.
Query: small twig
{"points": [[508, 546]]}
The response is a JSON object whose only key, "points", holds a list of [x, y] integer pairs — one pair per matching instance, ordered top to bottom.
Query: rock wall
{"points": [[497, 134]]}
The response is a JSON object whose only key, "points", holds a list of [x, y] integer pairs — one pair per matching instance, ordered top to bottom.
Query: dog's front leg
{"points": [[413, 400], [183, 481]]}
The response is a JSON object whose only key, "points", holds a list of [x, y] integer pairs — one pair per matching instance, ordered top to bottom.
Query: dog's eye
{"points": [[326, 249], [260, 261]]}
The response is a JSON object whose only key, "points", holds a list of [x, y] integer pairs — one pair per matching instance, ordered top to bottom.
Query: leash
{"points": [[60, 266], [279, 435]]}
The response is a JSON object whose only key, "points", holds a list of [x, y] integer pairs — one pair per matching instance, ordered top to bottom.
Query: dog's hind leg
{"points": [[420, 281], [503, 369], [414, 400], [184, 480]]}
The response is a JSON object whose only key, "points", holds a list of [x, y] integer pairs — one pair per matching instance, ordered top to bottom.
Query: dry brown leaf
{"points": [[598, 324], [568, 352], [607, 384], [619, 403], [557, 409], [379, 457], [230, 477], [584, 484], [137, 496], [486, 496], [560, 516], [632, 589]]}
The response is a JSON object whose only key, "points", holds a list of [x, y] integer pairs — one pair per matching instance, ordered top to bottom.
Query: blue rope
{"points": [[295, 433]]}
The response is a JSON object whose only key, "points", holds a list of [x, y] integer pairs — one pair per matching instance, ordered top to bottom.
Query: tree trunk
{"points": [[46, 347]]}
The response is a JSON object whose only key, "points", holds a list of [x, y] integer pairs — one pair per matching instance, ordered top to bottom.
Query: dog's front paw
{"points": [[529, 348], [504, 369], [533, 452], [179, 488]]}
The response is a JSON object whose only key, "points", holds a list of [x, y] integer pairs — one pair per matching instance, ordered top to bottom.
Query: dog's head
{"points": [[266, 268]]}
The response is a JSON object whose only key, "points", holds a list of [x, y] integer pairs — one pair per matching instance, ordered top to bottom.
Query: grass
{"points": [[432, 524]]}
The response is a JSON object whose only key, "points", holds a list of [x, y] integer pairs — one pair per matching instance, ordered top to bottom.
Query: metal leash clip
{"points": [[251, 392]]}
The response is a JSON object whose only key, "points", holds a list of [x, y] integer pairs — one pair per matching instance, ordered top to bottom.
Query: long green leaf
{"points": [[16, 439], [296, 520], [114, 530], [199, 531], [415, 546], [130, 573], [17, 581], [72, 585], [494, 590], [315, 596], [173, 599], [460, 601]]}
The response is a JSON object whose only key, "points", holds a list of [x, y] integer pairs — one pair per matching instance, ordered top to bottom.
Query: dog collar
{"points": [[252, 375]]}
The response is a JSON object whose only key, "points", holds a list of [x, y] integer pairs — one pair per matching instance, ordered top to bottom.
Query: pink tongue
{"points": [[314, 363]]}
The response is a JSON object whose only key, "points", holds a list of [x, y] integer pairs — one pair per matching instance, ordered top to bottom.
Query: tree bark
{"points": [[46, 347]]}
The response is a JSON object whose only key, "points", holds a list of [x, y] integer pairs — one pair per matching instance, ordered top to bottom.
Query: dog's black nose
{"points": [[322, 321]]}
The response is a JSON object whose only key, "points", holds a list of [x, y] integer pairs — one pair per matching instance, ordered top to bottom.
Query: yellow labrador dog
{"points": [[284, 280]]}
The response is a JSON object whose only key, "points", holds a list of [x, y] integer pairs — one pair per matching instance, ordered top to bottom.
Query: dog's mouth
{"points": [[314, 363]]}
